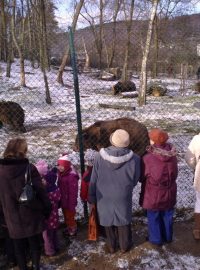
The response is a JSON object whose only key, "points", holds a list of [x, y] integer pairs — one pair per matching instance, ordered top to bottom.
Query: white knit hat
{"points": [[120, 138], [89, 157]]}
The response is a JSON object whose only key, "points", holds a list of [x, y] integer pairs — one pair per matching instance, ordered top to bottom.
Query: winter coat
{"points": [[192, 157], [115, 173], [159, 173], [68, 184], [85, 184], [21, 220], [53, 220]]}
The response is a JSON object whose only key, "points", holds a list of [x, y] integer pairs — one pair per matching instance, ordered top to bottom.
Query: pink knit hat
{"points": [[42, 167]]}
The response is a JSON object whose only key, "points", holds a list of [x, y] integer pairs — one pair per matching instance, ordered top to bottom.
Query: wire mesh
{"points": [[39, 103]]}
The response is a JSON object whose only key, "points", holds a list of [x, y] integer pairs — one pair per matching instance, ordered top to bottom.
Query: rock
{"points": [[106, 76]]}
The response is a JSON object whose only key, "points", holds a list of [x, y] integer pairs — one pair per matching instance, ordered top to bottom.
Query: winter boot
{"points": [[196, 230], [35, 260]]}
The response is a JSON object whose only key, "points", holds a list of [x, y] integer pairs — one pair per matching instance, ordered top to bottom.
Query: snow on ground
{"points": [[51, 129]]}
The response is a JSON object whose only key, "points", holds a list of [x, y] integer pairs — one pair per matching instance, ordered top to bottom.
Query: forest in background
{"points": [[146, 37]]}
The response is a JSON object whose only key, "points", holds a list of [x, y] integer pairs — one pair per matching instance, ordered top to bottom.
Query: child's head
{"points": [[158, 136], [89, 157], [63, 164], [42, 167], [51, 178]]}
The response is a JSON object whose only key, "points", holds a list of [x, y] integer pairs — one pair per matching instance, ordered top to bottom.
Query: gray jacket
{"points": [[115, 173]]}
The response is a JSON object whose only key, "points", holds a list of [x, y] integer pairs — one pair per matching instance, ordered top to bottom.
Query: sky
{"points": [[64, 15]]}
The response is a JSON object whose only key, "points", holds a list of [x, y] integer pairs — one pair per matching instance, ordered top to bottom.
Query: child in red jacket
{"points": [[89, 160]]}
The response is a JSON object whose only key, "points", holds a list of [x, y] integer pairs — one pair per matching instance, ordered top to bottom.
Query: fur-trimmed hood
{"points": [[163, 152], [116, 156]]}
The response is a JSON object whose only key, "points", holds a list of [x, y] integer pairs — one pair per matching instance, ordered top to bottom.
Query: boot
{"points": [[196, 230], [35, 260]]}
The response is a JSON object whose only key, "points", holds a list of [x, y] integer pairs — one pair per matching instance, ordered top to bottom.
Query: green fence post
{"points": [[77, 97], [78, 110]]}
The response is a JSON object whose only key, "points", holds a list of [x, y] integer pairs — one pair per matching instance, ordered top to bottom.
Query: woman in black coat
{"points": [[24, 223]]}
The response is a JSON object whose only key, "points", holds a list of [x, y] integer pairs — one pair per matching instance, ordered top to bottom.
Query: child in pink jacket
{"points": [[49, 178], [68, 184]]}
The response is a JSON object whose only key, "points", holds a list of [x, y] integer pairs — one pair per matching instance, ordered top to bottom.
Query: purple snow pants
{"points": [[50, 241]]}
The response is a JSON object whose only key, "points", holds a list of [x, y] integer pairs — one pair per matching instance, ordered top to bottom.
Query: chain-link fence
{"points": [[55, 98]]}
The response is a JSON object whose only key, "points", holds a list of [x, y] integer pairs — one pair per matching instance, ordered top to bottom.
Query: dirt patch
{"points": [[81, 254]]}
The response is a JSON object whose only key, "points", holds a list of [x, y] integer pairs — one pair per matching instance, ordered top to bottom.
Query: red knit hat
{"points": [[158, 136], [62, 161]]}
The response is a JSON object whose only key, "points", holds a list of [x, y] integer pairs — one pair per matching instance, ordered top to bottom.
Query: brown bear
{"points": [[120, 87], [12, 114], [97, 135]]}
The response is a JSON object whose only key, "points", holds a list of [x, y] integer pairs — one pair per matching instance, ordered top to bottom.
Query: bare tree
{"points": [[129, 21], [3, 35], [19, 43], [111, 52], [66, 55], [143, 73]]}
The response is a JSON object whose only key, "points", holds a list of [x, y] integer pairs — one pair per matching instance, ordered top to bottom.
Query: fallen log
{"points": [[129, 94], [117, 107]]}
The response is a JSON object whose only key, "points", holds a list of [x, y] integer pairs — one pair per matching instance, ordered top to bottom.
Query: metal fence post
{"points": [[77, 97], [78, 110]]}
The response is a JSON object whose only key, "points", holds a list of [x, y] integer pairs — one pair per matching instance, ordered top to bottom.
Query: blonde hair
{"points": [[16, 148]]}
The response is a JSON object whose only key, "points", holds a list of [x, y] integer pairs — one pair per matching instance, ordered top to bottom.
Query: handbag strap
{"points": [[28, 175]]}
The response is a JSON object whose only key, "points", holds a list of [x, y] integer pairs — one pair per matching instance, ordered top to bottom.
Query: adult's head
{"points": [[158, 136], [120, 138], [16, 148]]}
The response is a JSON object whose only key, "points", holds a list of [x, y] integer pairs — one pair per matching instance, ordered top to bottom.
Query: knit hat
{"points": [[158, 136], [120, 138], [89, 157], [63, 161], [42, 167]]}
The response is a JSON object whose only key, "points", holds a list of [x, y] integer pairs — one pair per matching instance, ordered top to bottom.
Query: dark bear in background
{"points": [[120, 87], [12, 114], [97, 135]]}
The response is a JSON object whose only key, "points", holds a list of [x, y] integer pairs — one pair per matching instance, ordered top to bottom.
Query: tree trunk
{"points": [[128, 42], [19, 48], [4, 49], [43, 49], [10, 51], [112, 54], [66, 55], [87, 57], [155, 62], [143, 74]]}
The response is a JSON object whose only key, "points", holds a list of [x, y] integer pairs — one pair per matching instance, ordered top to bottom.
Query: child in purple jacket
{"points": [[68, 184], [158, 194]]}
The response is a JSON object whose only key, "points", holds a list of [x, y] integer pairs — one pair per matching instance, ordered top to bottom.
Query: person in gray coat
{"points": [[115, 173]]}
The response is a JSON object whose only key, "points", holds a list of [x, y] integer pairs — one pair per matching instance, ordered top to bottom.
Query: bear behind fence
{"points": [[12, 114]]}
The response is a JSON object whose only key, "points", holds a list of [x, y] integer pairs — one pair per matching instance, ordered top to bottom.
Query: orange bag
{"points": [[93, 230]]}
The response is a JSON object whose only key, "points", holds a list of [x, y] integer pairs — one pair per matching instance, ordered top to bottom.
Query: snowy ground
{"points": [[51, 129]]}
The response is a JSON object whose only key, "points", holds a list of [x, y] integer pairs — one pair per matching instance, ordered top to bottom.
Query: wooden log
{"points": [[129, 94], [117, 107]]}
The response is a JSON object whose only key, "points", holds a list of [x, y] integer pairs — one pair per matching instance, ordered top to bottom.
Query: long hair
{"points": [[16, 148]]}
